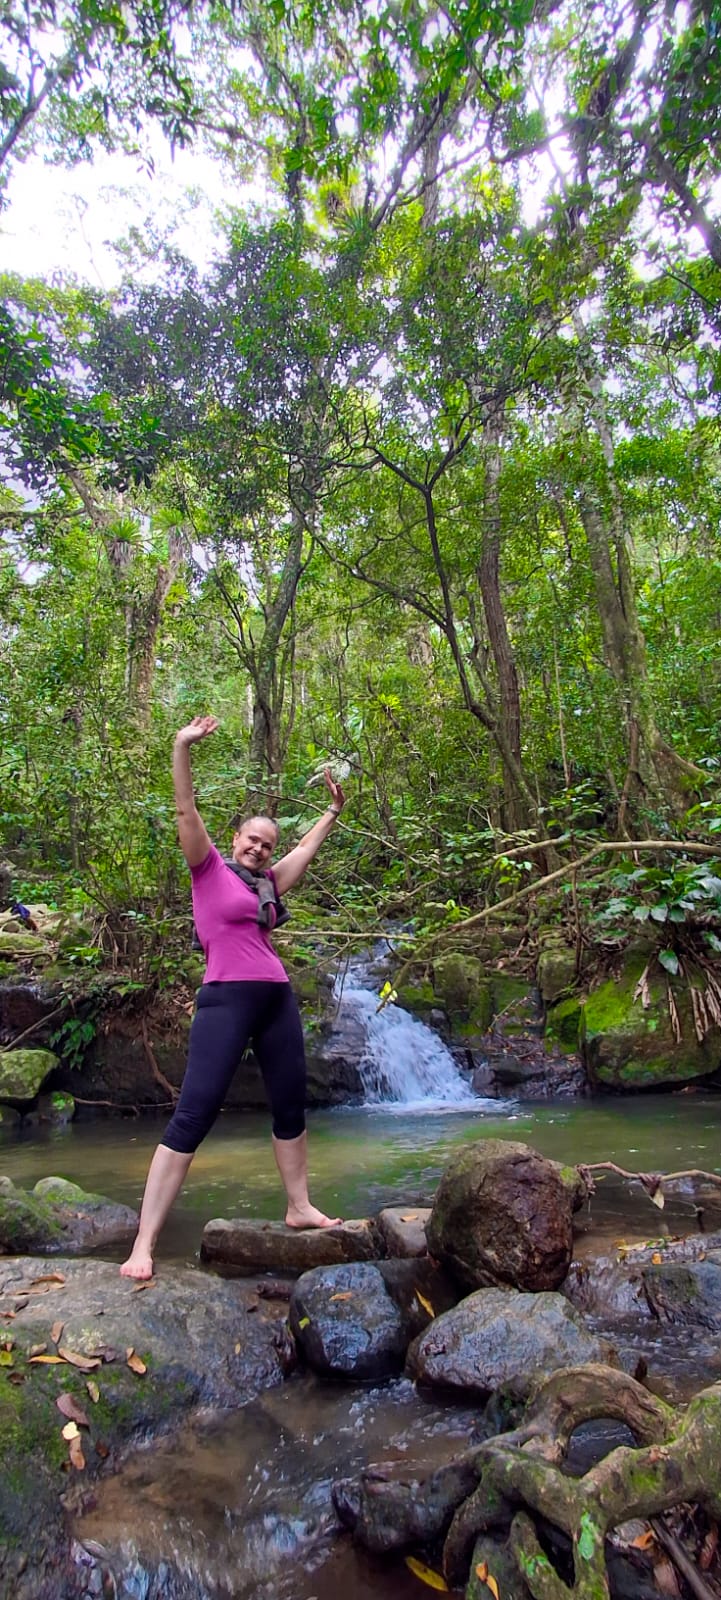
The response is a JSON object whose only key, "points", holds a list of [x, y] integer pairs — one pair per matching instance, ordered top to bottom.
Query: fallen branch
{"points": [[651, 1180]]}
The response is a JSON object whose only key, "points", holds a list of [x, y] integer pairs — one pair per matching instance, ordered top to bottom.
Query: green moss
{"points": [[510, 993], [418, 998], [563, 1023], [22, 1072]]}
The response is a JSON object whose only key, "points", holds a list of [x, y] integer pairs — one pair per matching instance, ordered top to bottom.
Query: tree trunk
{"points": [[655, 771], [515, 808]]}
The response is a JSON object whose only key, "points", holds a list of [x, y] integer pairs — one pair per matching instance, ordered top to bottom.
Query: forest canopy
{"points": [[420, 477]]}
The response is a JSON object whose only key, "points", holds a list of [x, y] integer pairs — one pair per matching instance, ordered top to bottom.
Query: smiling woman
{"points": [[245, 996]]}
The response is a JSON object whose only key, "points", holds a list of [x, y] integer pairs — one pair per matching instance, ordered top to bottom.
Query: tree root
{"points": [[501, 1487]]}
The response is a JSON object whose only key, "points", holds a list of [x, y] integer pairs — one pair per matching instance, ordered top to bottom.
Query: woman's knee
{"points": [[289, 1122]]}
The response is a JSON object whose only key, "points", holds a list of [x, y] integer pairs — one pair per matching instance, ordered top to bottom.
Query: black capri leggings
{"points": [[227, 1017]]}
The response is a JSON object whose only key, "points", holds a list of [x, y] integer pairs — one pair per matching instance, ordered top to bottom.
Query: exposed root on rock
{"points": [[511, 1485]]}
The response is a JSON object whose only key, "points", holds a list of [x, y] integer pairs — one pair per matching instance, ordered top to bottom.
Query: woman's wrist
{"points": [[334, 810]]}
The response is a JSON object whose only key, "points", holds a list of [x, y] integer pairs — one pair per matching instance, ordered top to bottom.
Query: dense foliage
{"points": [[421, 478]]}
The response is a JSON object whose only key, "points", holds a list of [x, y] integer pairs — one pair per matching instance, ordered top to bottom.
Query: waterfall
{"points": [[403, 1062]]}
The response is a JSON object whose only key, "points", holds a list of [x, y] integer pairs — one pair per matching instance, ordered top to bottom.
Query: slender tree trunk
{"points": [[508, 734], [654, 769]]}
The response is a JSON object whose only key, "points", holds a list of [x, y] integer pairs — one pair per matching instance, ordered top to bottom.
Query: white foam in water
{"points": [[403, 1063]]}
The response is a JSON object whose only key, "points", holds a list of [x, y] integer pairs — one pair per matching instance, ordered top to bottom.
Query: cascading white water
{"points": [[403, 1062]]}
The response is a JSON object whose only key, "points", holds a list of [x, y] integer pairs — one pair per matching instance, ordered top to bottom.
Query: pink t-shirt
{"points": [[236, 948]]}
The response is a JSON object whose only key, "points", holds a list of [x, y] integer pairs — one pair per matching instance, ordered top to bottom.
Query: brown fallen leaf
{"points": [[411, 1217], [656, 1258], [47, 1277], [145, 1283], [346, 1294], [20, 1301], [426, 1304], [8, 1315], [56, 1332], [238, 1349], [37, 1350], [75, 1359], [47, 1361], [135, 1362], [16, 1377], [93, 1390], [68, 1407], [70, 1431], [102, 1450], [76, 1454], [644, 1540], [665, 1579]]}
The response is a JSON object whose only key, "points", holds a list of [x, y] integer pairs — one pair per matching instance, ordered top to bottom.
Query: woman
{"points": [[245, 994]]}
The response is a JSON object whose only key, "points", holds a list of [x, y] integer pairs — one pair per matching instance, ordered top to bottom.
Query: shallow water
{"points": [[363, 1158], [244, 1504]]}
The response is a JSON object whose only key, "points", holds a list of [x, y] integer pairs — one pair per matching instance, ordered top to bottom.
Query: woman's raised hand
{"points": [[199, 728], [337, 797]]}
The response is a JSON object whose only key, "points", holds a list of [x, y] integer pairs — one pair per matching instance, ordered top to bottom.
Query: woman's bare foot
{"points": [[309, 1217], [139, 1263]]}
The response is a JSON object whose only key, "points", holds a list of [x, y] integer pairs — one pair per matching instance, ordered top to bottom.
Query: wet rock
{"points": [[22, 1073], [56, 1110], [9, 1119], [58, 1215], [502, 1215], [403, 1230], [254, 1246], [687, 1295], [346, 1323], [498, 1336], [199, 1345]]}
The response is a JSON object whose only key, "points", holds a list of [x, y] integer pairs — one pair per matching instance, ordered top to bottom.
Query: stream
{"points": [[238, 1505]]}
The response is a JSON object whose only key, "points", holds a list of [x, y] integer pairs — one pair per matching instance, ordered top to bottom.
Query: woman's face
{"points": [[254, 843]]}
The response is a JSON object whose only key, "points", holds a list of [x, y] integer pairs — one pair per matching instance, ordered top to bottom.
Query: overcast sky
{"points": [[67, 221]]}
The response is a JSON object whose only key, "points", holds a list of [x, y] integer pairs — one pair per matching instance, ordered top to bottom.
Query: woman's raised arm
{"points": [[192, 832]]}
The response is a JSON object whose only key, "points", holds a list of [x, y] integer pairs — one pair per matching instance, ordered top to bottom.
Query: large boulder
{"points": [[630, 1045], [23, 1072], [58, 1215], [503, 1215], [346, 1324], [500, 1337], [191, 1341]]}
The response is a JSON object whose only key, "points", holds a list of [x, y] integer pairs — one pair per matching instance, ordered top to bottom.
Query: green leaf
{"points": [[659, 913], [669, 960], [588, 1537]]}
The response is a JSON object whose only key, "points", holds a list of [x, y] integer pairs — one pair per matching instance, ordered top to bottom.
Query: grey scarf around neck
{"points": [[271, 911]]}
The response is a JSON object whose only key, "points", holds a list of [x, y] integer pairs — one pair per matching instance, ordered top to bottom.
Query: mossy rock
{"points": [[21, 944], [555, 971], [460, 985], [418, 998], [513, 1001], [563, 1023], [626, 1046], [23, 1072], [9, 1119], [27, 1222]]}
